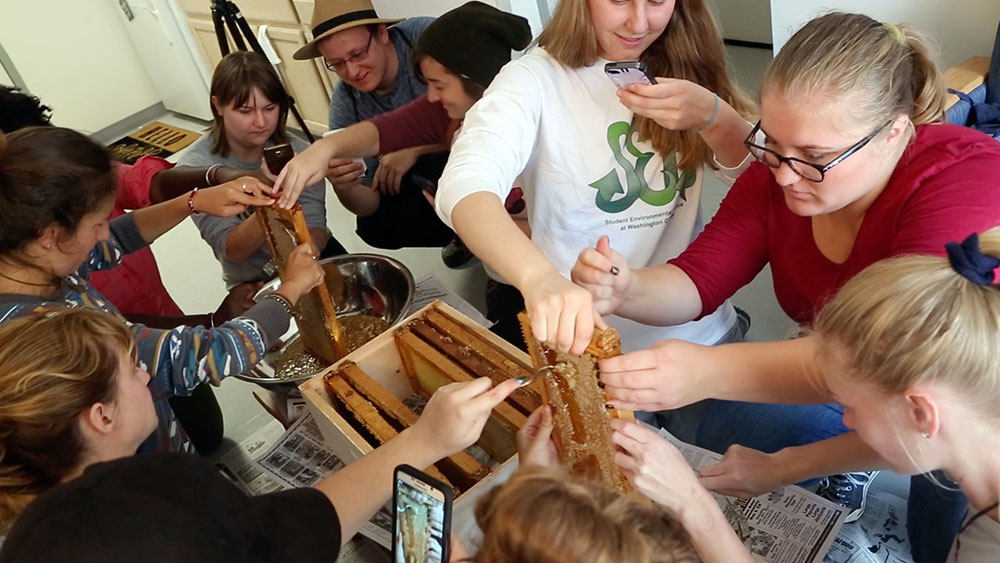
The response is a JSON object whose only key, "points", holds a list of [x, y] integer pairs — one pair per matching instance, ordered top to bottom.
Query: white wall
{"points": [[407, 8], [746, 20], [962, 28], [76, 56]]}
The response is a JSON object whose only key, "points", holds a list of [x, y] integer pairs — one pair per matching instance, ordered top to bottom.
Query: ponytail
{"points": [[882, 70]]}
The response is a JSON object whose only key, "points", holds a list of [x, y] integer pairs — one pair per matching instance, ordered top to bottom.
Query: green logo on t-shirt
{"points": [[610, 185]]}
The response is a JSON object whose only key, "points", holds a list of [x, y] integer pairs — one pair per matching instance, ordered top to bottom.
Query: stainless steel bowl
{"points": [[372, 284]]}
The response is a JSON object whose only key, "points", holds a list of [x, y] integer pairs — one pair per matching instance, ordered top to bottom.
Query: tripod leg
{"points": [[220, 32]]}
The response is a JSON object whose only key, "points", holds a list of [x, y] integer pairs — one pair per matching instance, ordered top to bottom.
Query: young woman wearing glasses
{"points": [[854, 166]]}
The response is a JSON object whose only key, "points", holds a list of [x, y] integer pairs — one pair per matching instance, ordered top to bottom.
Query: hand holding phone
{"points": [[629, 72], [421, 523]]}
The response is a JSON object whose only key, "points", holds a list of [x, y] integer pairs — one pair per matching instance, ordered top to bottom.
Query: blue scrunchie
{"points": [[972, 264]]}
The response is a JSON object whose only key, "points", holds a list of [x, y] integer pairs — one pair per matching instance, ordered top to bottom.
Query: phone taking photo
{"points": [[629, 72], [277, 157], [421, 517]]}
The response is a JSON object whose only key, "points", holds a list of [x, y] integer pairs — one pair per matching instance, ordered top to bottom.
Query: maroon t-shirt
{"points": [[419, 122], [945, 186]]}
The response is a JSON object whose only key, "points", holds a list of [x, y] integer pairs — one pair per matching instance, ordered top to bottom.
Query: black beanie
{"points": [[474, 40]]}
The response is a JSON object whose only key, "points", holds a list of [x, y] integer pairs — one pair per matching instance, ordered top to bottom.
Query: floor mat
{"points": [[155, 139]]}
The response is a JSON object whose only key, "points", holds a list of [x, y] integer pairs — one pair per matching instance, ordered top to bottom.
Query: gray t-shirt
{"points": [[349, 106], [215, 230]]}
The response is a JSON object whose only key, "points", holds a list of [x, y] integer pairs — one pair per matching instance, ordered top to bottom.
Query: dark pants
{"points": [[407, 219], [503, 303], [200, 415], [933, 516]]}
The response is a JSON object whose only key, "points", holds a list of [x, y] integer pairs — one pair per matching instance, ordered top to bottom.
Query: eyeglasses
{"points": [[338, 65], [808, 170]]}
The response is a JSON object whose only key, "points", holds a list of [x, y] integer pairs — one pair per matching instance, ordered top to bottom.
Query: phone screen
{"points": [[421, 518]]}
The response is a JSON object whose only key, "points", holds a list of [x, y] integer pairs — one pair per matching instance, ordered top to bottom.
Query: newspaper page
{"points": [[429, 288], [297, 458], [790, 525], [879, 536]]}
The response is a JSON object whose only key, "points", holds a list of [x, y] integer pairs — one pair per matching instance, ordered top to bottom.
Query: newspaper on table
{"points": [[429, 288], [298, 458], [790, 525], [879, 536]]}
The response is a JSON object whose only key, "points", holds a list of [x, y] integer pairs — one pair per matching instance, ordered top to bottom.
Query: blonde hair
{"points": [[690, 48], [883, 69], [914, 319], [54, 364], [541, 516]]}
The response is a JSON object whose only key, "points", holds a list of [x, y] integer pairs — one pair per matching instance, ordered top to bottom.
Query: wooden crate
{"points": [[380, 359]]}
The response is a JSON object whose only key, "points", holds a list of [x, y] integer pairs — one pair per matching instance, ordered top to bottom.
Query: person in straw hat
{"points": [[372, 57]]}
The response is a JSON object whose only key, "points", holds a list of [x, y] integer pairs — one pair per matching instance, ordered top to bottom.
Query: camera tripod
{"points": [[225, 15]]}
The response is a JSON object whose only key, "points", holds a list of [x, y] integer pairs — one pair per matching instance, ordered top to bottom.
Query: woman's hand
{"points": [[675, 104], [305, 169], [391, 169], [233, 197], [302, 273], [605, 274], [561, 312], [664, 376], [455, 415], [534, 440], [655, 466], [745, 472]]}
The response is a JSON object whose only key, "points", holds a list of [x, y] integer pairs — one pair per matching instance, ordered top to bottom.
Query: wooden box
{"points": [[381, 360]]}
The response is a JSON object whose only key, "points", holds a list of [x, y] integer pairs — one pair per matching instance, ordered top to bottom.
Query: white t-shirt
{"points": [[584, 175], [980, 542]]}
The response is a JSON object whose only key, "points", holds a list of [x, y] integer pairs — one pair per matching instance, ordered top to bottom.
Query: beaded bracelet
{"points": [[711, 120], [191, 201], [283, 301]]}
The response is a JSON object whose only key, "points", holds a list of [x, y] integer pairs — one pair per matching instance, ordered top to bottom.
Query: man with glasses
{"points": [[372, 58]]}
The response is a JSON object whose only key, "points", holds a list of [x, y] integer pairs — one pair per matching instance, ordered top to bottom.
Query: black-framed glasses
{"points": [[338, 65], [808, 170]]}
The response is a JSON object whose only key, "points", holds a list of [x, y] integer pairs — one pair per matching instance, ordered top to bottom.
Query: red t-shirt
{"points": [[945, 186], [135, 286]]}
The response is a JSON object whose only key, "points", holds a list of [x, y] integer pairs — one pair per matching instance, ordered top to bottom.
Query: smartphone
{"points": [[629, 72], [277, 157], [421, 522]]}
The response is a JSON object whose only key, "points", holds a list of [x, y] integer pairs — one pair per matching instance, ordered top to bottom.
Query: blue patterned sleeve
{"points": [[184, 357]]}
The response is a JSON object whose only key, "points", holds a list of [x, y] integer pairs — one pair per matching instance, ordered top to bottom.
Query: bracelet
{"points": [[711, 120], [210, 179], [191, 201], [283, 301], [210, 320]]}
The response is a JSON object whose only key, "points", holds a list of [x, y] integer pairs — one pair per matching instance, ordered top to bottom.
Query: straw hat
{"points": [[331, 16]]}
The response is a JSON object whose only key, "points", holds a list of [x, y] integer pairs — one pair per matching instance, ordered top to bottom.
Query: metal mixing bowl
{"points": [[372, 284]]}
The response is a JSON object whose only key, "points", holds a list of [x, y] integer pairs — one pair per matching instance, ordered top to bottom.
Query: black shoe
{"points": [[455, 254], [849, 490]]}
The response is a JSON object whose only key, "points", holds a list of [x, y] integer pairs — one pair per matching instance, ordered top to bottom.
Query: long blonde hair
{"points": [[689, 48], [883, 70], [914, 319], [54, 364], [541, 516]]}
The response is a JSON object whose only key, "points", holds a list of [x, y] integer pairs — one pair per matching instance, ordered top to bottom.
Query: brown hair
{"points": [[690, 48], [883, 69], [233, 82], [471, 88], [49, 175], [912, 319], [54, 364], [541, 516]]}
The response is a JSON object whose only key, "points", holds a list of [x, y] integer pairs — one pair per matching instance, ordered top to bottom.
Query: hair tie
{"points": [[896, 32], [970, 262]]}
